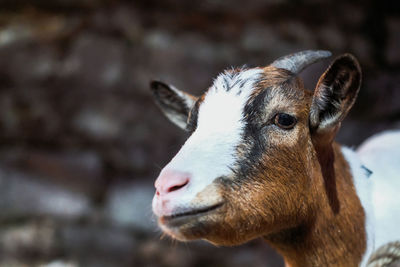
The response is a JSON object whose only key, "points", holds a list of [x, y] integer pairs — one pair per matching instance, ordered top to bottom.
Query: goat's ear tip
{"points": [[348, 55], [349, 58], [350, 62], [154, 84]]}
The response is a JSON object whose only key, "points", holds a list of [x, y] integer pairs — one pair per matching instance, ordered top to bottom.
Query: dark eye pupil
{"points": [[284, 120]]}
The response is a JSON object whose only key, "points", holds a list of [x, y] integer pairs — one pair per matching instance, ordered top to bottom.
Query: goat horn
{"points": [[298, 61]]}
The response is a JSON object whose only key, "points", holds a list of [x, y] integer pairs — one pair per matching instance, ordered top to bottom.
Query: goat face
{"points": [[246, 170]]}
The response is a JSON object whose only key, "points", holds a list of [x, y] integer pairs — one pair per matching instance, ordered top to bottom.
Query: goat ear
{"points": [[335, 94], [174, 103]]}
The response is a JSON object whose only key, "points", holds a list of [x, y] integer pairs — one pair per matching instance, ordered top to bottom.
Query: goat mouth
{"points": [[180, 218]]}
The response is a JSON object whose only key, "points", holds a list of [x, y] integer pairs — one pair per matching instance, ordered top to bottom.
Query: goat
{"points": [[261, 161]]}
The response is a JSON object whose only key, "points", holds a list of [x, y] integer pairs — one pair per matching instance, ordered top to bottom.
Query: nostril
{"points": [[170, 181], [177, 187]]}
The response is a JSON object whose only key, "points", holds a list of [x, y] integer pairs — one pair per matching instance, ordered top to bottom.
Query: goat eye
{"points": [[284, 121]]}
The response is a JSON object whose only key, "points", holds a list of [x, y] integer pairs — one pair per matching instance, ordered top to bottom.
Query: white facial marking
{"points": [[209, 151]]}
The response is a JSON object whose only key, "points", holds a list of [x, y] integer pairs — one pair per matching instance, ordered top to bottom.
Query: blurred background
{"points": [[81, 141]]}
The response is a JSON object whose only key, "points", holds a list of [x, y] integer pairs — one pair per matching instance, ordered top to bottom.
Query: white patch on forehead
{"points": [[210, 152]]}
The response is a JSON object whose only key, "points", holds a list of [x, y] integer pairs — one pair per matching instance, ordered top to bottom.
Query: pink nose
{"points": [[170, 181]]}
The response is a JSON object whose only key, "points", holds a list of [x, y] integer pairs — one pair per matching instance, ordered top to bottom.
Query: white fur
{"points": [[209, 151], [381, 154], [363, 185], [380, 193]]}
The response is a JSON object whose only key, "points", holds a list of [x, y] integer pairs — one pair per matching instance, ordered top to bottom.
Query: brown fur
{"points": [[335, 233]]}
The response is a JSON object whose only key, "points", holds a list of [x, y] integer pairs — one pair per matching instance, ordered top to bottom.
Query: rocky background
{"points": [[81, 141]]}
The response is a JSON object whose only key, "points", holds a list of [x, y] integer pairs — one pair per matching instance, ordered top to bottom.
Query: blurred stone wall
{"points": [[81, 141]]}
